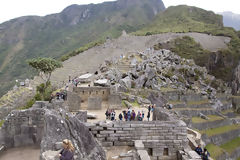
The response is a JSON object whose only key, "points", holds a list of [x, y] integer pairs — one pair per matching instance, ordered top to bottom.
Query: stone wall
{"points": [[85, 92], [73, 101], [115, 101], [94, 103], [214, 124], [23, 128], [221, 138], [162, 139]]}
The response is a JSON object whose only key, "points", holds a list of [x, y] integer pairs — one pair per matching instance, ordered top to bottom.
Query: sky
{"points": [[10, 9]]}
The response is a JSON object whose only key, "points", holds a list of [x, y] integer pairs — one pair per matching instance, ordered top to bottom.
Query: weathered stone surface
{"points": [[73, 101], [115, 101], [94, 103], [82, 116], [38, 126]]}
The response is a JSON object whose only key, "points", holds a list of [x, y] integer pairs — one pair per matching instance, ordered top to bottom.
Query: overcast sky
{"points": [[10, 9]]}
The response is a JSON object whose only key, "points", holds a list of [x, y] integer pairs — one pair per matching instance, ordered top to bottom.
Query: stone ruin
{"points": [[92, 98], [46, 125], [47, 128]]}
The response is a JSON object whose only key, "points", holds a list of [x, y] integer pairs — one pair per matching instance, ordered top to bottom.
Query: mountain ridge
{"points": [[57, 34]]}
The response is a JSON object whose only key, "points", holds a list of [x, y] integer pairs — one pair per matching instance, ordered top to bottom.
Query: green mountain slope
{"points": [[191, 19], [57, 34]]}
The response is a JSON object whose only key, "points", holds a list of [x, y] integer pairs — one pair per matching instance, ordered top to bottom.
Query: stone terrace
{"points": [[162, 139]]}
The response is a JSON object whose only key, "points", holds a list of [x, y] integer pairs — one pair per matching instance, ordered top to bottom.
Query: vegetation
{"points": [[182, 19], [60, 34], [82, 49], [45, 66], [205, 101], [28, 105], [211, 119], [1, 123], [220, 130], [231, 145], [214, 150]]}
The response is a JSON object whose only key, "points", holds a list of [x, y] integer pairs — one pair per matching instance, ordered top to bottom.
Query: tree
{"points": [[45, 66]]}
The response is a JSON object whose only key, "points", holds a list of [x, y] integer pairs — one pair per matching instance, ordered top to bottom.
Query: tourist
{"points": [[153, 107], [149, 108], [106, 114], [142, 114], [113, 115], [125, 115], [129, 115], [133, 115], [120, 116], [139, 116], [148, 116], [199, 150], [67, 151], [205, 154]]}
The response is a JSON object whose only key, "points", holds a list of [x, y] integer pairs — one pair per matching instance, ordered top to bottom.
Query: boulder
{"points": [[126, 82]]}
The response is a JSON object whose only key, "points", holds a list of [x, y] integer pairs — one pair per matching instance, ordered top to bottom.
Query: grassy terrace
{"points": [[167, 89], [205, 101], [227, 111], [211, 119], [1, 123], [220, 130], [231, 145], [214, 150]]}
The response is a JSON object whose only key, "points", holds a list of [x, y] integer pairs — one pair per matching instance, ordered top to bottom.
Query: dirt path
{"points": [[90, 60], [21, 153]]}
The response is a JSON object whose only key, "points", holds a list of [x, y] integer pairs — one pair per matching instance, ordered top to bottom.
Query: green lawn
{"points": [[205, 101], [211, 119], [1, 123], [220, 130], [231, 145], [214, 150], [238, 158]]}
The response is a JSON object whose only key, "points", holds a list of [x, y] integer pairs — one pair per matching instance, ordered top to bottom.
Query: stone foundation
{"points": [[162, 139]]}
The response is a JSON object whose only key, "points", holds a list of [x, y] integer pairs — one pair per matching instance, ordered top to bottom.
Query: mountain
{"points": [[183, 19], [192, 19], [231, 20], [57, 34]]}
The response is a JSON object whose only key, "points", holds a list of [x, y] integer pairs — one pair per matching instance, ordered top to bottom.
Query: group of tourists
{"points": [[110, 114], [129, 115], [203, 153]]}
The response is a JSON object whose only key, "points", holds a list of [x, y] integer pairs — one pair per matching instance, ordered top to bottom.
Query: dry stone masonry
{"points": [[160, 138]]}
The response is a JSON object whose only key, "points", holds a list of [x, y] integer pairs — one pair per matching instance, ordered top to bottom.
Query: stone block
{"points": [[73, 101], [115, 101], [94, 103], [107, 144], [139, 145], [143, 155]]}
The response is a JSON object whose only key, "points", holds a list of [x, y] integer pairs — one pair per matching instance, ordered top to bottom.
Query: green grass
{"points": [[167, 89], [205, 101], [176, 102], [135, 104], [28, 105], [227, 111], [211, 119], [1, 123], [220, 130], [231, 145], [214, 150], [238, 158]]}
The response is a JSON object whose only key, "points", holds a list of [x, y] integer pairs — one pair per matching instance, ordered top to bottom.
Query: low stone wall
{"points": [[195, 113], [214, 124], [23, 128], [221, 138], [162, 139], [236, 153]]}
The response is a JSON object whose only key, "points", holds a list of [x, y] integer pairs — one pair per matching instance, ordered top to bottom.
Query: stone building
{"points": [[93, 98]]}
